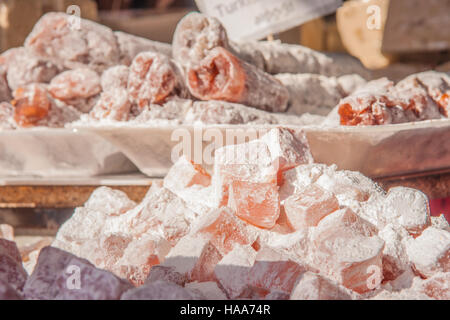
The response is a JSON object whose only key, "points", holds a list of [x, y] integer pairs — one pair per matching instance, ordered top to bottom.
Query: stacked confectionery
{"points": [[266, 223]]}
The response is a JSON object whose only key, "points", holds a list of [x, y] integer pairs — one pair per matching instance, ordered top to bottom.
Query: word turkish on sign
{"points": [[256, 19]]}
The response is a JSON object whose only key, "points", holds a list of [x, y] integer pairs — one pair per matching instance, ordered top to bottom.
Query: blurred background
{"points": [[392, 37]]}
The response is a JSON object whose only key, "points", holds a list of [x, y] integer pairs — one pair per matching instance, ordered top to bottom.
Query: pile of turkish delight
{"points": [[64, 73], [266, 223]]}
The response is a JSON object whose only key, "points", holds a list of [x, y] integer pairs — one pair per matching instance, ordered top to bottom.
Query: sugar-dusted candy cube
{"points": [[195, 36], [91, 45], [153, 78], [32, 104], [288, 148], [244, 162], [184, 174], [256, 203], [406, 207], [307, 208], [161, 211], [440, 222], [224, 229], [6, 232], [345, 247], [430, 252], [140, 256], [195, 257], [395, 258], [11, 269], [233, 270], [274, 271], [163, 273], [60, 275], [312, 286], [437, 287], [159, 290], [209, 290], [7, 292]]}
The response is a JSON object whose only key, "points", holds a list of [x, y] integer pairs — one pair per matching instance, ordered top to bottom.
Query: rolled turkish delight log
{"points": [[195, 36], [70, 43], [130, 46], [275, 57], [23, 68], [222, 76], [153, 78], [436, 84], [78, 87], [314, 93], [380, 102], [34, 106]]}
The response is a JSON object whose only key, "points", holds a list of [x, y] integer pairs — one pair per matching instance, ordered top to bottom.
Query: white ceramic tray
{"points": [[377, 151], [46, 152]]}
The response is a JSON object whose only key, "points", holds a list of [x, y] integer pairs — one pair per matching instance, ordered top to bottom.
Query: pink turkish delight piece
{"points": [[195, 36], [55, 38], [130, 46], [24, 68], [115, 78], [153, 78], [76, 87], [114, 105], [288, 148], [242, 162], [185, 174], [256, 203], [307, 208], [408, 208], [161, 211], [224, 229], [6, 232], [346, 248], [430, 252], [140, 256], [194, 257], [395, 258], [11, 269], [233, 270], [274, 271], [163, 273], [60, 275], [312, 286], [437, 287], [208, 289], [160, 290], [7, 292]]}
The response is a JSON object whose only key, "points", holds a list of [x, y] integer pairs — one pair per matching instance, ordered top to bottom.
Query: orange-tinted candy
{"points": [[152, 79], [73, 84], [31, 105], [184, 174], [256, 203], [307, 208], [225, 230], [274, 271]]}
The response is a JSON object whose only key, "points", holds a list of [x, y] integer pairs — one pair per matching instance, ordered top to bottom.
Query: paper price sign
{"points": [[256, 19]]}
